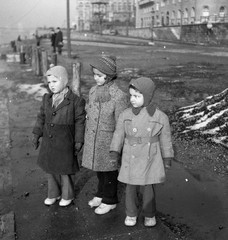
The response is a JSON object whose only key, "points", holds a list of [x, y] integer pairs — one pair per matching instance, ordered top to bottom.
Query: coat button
{"points": [[54, 113], [52, 125], [134, 129], [148, 129], [50, 136], [133, 156]]}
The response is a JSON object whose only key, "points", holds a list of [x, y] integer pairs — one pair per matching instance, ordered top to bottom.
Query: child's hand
{"points": [[35, 141], [77, 148], [115, 158], [168, 163]]}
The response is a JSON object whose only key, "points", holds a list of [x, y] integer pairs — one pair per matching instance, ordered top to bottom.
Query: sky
{"points": [[25, 15]]}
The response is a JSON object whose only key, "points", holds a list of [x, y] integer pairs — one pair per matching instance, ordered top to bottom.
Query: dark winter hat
{"points": [[105, 64], [59, 72], [145, 86]]}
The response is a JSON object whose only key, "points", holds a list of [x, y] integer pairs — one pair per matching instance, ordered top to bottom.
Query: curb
{"points": [[7, 227]]}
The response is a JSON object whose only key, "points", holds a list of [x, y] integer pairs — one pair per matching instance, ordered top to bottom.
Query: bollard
{"points": [[22, 55], [34, 58], [54, 59], [44, 61], [38, 62], [75, 84]]}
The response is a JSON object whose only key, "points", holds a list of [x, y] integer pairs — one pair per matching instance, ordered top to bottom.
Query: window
{"points": [[205, 11], [222, 12], [193, 15], [167, 18]]}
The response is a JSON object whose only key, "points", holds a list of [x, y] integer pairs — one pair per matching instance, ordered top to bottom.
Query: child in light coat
{"points": [[61, 125], [143, 136]]}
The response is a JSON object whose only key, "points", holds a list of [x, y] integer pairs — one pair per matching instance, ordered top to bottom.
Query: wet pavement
{"points": [[192, 204]]}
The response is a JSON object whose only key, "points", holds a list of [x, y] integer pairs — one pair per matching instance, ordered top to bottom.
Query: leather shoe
{"points": [[50, 201], [95, 202], [64, 203], [104, 208]]}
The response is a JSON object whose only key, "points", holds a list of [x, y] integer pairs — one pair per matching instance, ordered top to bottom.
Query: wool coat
{"points": [[100, 125], [60, 128], [144, 141]]}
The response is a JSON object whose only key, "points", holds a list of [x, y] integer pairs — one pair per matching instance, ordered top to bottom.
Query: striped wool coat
{"points": [[100, 125]]}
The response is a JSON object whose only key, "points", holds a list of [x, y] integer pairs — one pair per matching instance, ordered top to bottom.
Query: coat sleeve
{"points": [[121, 104], [79, 117], [40, 121], [118, 136], [165, 139]]}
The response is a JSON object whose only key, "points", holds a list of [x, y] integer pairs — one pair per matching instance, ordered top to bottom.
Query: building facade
{"points": [[109, 11], [150, 13]]}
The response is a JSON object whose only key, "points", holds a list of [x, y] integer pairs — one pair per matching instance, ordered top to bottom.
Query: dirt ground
{"points": [[184, 75]]}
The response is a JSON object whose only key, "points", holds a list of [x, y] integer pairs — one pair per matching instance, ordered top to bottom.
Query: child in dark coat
{"points": [[61, 124]]}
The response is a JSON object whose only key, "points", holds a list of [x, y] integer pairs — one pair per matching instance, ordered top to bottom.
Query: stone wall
{"points": [[194, 33]]}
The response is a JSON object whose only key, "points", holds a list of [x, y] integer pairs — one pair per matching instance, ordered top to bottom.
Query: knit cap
{"points": [[105, 64], [59, 72], [145, 86]]}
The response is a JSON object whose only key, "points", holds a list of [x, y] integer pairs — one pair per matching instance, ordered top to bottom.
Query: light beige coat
{"points": [[144, 141]]}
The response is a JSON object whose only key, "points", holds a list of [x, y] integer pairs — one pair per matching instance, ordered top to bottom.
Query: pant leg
{"points": [[67, 182], [100, 185], [54, 186], [110, 187], [131, 200], [149, 204]]}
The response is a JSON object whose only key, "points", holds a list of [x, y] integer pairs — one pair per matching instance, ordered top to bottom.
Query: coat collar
{"points": [[69, 97]]}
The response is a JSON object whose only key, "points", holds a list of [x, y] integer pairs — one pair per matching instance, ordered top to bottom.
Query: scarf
{"points": [[102, 93], [57, 98]]}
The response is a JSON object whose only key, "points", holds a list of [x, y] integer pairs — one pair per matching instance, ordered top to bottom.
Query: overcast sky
{"points": [[34, 13]]}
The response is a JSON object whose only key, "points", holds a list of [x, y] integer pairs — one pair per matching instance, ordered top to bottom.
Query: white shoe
{"points": [[50, 201], [95, 202], [64, 203], [104, 208], [130, 221], [149, 222]]}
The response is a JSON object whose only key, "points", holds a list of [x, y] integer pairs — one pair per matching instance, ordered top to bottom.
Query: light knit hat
{"points": [[105, 64], [59, 72], [145, 86]]}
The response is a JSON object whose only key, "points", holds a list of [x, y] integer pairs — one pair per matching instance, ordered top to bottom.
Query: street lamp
{"points": [[68, 30]]}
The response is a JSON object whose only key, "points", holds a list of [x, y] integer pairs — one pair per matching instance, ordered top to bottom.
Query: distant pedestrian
{"points": [[53, 36], [19, 38], [59, 40], [106, 102], [61, 124], [143, 136]]}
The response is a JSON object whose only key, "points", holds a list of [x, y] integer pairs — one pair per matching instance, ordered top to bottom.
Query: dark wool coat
{"points": [[58, 38], [100, 125], [60, 128], [146, 141]]}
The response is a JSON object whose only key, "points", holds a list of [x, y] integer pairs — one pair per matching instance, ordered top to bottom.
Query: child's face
{"points": [[99, 77], [55, 84], [136, 98]]}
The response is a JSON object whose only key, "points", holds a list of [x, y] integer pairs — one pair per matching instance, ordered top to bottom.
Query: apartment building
{"points": [[106, 10], [151, 13]]}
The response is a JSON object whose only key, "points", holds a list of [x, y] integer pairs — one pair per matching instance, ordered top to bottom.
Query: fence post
{"points": [[75, 84]]}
